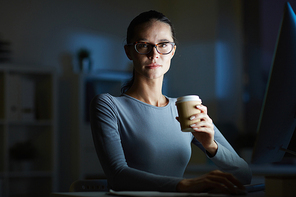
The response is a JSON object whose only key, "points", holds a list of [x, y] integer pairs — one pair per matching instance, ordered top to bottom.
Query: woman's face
{"points": [[152, 65]]}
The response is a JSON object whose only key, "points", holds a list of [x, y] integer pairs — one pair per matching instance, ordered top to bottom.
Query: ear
{"points": [[174, 51], [128, 52]]}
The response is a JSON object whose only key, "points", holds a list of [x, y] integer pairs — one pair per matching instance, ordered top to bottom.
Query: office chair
{"points": [[89, 185]]}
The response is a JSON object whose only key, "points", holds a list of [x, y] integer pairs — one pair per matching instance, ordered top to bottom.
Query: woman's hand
{"points": [[204, 129], [213, 182]]}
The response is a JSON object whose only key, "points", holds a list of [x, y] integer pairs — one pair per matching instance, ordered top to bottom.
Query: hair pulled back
{"points": [[144, 18], [131, 30]]}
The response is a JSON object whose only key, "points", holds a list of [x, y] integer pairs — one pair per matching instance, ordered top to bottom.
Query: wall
{"points": [[208, 61]]}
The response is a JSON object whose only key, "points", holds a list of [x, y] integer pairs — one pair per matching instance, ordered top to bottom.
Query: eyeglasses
{"points": [[162, 48]]}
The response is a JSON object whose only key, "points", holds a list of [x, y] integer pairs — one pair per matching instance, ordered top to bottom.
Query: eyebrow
{"points": [[161, 40]]}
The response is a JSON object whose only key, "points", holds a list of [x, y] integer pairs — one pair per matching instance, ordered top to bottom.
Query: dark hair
{"points": [[138, 20]]}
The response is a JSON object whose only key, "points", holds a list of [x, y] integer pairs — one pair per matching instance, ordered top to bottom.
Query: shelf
{"points": [[26, 95], [28, 117], [30, 123], [39, 138], [48, 174]]}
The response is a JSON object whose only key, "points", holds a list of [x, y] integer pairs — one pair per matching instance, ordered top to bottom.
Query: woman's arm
{"points": [[210, 139], [229, 161]]}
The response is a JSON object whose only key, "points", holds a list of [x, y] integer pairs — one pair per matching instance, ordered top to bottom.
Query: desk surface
{"points": [[104, 194]]}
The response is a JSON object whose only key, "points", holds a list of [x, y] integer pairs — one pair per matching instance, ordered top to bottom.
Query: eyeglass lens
{"points": [[162, 48]]}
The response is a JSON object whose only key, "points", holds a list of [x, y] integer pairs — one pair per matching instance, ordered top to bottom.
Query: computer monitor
{"points": [[278, 114]]}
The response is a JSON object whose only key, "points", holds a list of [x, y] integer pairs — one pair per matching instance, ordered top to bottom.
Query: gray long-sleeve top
{"points": [[141, 147]]}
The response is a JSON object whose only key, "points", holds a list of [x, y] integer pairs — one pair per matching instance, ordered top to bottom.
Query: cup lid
{"points": [[188, 98]]}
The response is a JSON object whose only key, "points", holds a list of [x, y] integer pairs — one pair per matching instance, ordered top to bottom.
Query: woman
{"points": [[137, 137]]}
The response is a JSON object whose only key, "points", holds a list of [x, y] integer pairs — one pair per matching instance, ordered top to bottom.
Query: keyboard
{"points": [[255, 187]]}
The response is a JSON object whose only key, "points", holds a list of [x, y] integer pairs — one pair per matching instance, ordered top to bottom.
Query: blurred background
{"points": [[224, 54]]}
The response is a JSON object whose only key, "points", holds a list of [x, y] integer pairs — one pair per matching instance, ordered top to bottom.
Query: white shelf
{"points": [[28, 117], [30, 123], [48, 174]]}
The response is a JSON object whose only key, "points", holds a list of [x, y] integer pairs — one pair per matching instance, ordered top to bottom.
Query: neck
{"points": [[148, 91]]}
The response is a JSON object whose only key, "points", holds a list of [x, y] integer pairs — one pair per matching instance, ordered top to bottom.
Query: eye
{"points": [[142, 45], [162, 45]]}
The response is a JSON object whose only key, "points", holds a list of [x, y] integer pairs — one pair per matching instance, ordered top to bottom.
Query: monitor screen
{"points": [[278, 114]]}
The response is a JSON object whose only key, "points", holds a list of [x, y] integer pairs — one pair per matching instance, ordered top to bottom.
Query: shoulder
{"points": [[103, 97], [103, 100], [106, 100], [104, 105]]}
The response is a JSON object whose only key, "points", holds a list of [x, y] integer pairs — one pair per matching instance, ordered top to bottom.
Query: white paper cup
{"points": [[186, 108]]}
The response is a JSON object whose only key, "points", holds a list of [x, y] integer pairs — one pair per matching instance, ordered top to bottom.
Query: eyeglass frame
{"points": [[153, 45]]}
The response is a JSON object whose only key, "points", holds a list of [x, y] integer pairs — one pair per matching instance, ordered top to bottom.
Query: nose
{"points": [[153, 53]]}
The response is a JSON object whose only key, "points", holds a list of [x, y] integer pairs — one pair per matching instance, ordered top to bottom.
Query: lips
{"points": [[153, 66]]}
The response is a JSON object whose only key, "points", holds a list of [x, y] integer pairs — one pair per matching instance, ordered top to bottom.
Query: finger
{"points": [[202, 108], [200, 112], [198, 117], [202, 117], [203, 124], [202, 130], [229, 177], [215, 182], [236, 182], [224, 183], [215, 187]]}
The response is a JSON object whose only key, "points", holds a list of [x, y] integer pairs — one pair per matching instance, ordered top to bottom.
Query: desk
{"points": [[257, 170], [79, 194], [103, 194]]}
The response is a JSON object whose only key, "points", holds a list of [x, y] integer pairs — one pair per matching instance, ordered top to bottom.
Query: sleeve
{"points": [[106, 136], [227, 160]]}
